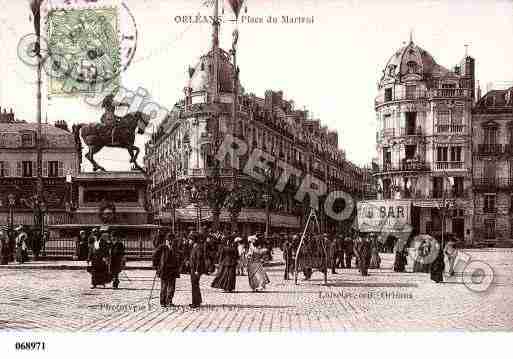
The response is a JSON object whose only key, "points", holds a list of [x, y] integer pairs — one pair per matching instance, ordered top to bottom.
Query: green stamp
{"points": [[84, 49]]}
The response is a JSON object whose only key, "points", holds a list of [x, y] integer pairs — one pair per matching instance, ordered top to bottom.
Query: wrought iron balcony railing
{"points": [[450, 128], [490, 149], [406, 165], [442, 166], [493, 183]]}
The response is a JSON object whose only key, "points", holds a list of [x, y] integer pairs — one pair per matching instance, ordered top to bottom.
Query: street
{"points": [[61, 300]]}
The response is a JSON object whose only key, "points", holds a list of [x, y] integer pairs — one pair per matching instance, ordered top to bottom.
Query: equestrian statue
{"points": [[112, 131]]}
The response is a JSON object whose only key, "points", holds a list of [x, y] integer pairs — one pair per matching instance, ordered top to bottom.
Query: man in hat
{"points": [[93, 237], [4, 248], [348, 250], [288, 256], [117, 259], [166, 260], [197, 266]]}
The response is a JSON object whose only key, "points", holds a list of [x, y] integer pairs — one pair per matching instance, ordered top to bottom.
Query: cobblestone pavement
{"points": [[55, 300]]}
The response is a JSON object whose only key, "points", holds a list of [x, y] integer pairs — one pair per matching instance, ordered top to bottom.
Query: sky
{"points": [[330, 67]]}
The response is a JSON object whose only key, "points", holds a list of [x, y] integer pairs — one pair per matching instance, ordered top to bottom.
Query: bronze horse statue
{"points": [[120, 134]]}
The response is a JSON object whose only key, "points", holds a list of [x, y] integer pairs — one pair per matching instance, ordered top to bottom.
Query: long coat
{"points": [[117, 252], [197, 260], [167, 262]]}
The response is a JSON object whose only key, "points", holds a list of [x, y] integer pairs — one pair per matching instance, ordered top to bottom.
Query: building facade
{"points": [[423, 114], [492, 129], [181, 154], [18, 170]]}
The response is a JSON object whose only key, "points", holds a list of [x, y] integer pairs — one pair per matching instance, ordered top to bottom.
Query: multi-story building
{"points": [[423, 112], [492, 129], [181, 152], [18, 169]]}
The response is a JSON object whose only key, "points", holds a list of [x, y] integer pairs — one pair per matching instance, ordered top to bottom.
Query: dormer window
{"points": [[412, 67], [27, 140]]}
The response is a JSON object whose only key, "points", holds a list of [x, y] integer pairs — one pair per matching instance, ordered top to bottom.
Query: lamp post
{"points": [[268, 196], [195, 199], [12, 201], [445, 206]]}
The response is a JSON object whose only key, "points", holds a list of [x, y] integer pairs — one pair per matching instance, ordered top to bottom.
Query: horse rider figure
{"points": [[109, 118]]}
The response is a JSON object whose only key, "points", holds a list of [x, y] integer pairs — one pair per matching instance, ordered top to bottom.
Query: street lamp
{"points": [[269, 175], [195, 199], [12, 201], [445, 206]]}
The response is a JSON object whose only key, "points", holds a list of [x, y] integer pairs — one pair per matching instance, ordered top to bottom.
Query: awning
{"points": [[190, 214]]}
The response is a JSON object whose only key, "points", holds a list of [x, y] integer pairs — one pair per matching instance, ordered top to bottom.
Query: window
{"points": [[412, 67], [448, 86], [411, 91], [388, 94], [443, 117], [387, 121], [411, 122], [490, 135], [27, 140], [410, 151], [441, 154], [456, 154], [387, 156], [27, 169], [53, 169], [4, 170], [458, 186], [438, 187], [489, 203], [489, 228]]}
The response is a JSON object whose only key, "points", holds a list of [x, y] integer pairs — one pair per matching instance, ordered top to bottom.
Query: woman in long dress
{"points": [[400, 260], [375, 261], [99, 262], [438, 265], [227, 274], [257, 275]]}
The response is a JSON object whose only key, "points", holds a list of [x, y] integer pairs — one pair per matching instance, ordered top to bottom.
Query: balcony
{"points": [[448, 93], [419, 94], [450, 128], [411, 131], [488, 149], [508, 149], [409, 165], [442, 166], [493, 183], [490, 210]]}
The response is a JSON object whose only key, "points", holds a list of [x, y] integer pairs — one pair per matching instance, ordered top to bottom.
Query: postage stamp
{"points": [[84, 47]]}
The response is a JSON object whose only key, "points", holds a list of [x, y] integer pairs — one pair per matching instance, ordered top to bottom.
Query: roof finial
{"points": [[411, 36], [466, 50]]}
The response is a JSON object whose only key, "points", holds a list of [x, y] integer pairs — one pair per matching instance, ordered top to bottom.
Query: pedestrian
{"points": [[93, 237], [82, 246], [21, 247], [4, 248], [242, 251], [348, 251], [332, 253], [450, 253], [363, 255], [339, 256], [418, 256], [287, 257], [400, 259], [117, 260], [375, 260], [166, 261], [100, 262], [438, 265], [197, 268], [227, 275], [257, 275]]}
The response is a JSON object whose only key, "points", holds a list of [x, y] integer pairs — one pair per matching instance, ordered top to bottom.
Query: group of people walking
{"points": [[233, 255]]}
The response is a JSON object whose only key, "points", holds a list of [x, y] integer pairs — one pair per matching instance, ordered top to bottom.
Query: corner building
{"points": [[423, 114], [492, 128], [182, 152]]}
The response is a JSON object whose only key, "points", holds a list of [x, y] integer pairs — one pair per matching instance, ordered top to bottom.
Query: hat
{"points": [[19, 228], [252, 238], [237, 240]]}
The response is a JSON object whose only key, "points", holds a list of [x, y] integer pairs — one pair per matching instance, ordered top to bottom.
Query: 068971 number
{"points": [[30, 346]]}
